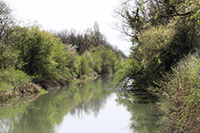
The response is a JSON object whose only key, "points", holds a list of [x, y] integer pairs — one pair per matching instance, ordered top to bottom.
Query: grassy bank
{"points": [[15, 83], [180, 98]]}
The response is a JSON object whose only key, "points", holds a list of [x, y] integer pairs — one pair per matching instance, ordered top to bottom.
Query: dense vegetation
{"points": [[164, 33], [30, 54], [163, 64], [180, 101]]}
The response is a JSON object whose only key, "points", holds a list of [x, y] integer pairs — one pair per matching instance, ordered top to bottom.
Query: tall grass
{"points": [[180, 99]]}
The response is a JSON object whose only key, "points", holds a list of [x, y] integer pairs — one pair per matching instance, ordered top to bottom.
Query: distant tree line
{"points": [[87, 40]]}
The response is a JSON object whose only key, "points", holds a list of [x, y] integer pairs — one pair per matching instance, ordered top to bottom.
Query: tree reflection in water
{"points": [[47, 112], [144, 113]]}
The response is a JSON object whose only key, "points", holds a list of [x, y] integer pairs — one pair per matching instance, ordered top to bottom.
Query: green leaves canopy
{"points": [[42, 54]]}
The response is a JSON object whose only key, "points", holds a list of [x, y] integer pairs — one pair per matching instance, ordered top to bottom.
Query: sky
{"points": [[58, 15]]}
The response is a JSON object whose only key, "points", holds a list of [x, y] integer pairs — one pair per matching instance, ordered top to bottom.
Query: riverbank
{"points": [[31, 89], [26, 91], [177, 94]]}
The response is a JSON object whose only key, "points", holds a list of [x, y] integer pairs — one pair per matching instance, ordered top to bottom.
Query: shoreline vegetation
{"points": [[164, 59], [33, 60], [164, 62], [32, 91]]}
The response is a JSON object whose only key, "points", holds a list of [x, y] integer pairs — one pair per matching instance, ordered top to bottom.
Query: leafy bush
{"points": [[158, 49], [43, 55], [9, 78], [180, 97]]}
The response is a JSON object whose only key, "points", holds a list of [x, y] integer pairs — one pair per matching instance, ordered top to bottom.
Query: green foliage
{"points": [[6, 23], [168, 32], [160, 45], [35, 47], [29, 51], [43, 55], [8, 57], [61, 60], [105, 60], [73, 61], [97, 61], [83, 65], [126, 71], [10, 78], [180, 98]]}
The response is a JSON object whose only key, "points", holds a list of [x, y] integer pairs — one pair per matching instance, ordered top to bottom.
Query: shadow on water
{"points": [[48, 111], [144, 112]]}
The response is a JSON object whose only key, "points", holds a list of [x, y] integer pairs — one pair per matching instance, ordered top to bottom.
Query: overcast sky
{"points": [[66, 14]]}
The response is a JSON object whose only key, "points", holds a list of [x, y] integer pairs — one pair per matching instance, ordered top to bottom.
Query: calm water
{"points": [[91, 107]]}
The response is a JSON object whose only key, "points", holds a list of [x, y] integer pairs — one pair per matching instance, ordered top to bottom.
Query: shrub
{"points": [[44, 56], [11, 77], [180, 97]]}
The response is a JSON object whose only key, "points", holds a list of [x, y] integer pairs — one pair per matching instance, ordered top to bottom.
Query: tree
{"points": [[135, 14], [6, 21], [163, 32], [84, 41], [41, 53], [7, 54], [105, 60], [83, 65]]}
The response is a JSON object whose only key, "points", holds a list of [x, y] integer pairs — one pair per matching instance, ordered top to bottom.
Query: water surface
{"points": [[91, 107]]}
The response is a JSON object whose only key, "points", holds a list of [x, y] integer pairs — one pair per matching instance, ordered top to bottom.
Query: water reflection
{"points": [[58, 110], [144, 114], [42, 115]]}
